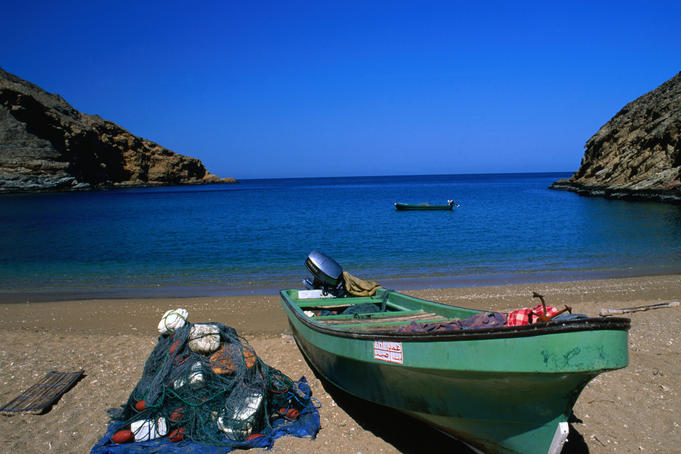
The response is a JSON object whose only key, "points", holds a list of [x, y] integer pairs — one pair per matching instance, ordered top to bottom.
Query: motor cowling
{"points": [[327, 274]]}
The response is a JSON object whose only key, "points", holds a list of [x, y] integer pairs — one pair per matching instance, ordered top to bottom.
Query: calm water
{"points": [[253, 237]]}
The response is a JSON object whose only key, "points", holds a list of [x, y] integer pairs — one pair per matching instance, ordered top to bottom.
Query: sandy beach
{"points": [[633, 410]]}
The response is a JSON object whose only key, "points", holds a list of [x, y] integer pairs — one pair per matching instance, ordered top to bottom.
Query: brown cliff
{"points": [[45, 144], [637, 154]]}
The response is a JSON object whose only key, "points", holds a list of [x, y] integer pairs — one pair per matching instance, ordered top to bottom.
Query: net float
{"points": [[174, 346], [177, 414], [177, 435], [123, 436]]}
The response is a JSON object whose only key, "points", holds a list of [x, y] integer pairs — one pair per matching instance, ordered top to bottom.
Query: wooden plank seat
{"points": [[333, 303], [329, 307], [367, 315]]}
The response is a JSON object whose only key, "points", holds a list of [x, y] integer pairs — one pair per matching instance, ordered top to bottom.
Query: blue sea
{"points": [[253, 237]]}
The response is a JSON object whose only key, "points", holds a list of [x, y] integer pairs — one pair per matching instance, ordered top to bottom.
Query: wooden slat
{"points": [[337, 302], [329, 307], [372, 315], [397, 318], [43, 394]]}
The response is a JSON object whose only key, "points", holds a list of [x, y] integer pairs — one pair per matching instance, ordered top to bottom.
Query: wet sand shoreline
{"points": [[631, 410]]}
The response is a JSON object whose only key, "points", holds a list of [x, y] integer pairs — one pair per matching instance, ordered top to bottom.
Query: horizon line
{"points": [[406, 175]]}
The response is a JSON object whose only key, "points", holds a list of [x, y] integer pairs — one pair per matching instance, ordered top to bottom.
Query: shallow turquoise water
{"points": [[253, 237]]}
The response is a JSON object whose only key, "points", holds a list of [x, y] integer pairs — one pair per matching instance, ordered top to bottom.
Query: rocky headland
{"points": [[46, 144], [637, 154]]}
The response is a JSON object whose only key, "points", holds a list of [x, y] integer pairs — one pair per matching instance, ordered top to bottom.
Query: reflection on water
{"points": [[254, 236]]}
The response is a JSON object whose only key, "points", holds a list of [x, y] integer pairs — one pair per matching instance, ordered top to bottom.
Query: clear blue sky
{"points": [[315, 88]]}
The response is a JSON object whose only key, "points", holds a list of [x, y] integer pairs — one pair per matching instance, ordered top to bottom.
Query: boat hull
{"points": [[410, 207], [499, 394]]}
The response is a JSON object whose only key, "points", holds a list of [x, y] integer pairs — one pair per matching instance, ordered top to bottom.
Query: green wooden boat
{"points": [[424, 206], [500, 390]]}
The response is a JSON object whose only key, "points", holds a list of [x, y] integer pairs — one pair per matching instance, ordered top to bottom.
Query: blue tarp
{"points": [[307, 425]]}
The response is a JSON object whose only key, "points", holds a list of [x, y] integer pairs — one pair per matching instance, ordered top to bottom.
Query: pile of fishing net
{"points": [[205, 390]]}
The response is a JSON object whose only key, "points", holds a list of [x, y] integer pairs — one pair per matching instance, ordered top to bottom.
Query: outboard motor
{"points": [[327, 274]]}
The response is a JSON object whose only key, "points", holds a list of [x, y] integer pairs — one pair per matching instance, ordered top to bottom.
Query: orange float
{"points": [[221, 362], [177, 435], [123, 436]]}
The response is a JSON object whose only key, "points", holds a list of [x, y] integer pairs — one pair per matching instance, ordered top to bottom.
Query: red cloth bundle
{"points": [[526, 316]]}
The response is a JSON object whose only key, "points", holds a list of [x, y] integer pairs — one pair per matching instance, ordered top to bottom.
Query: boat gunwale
{"points": [[537, 329]]}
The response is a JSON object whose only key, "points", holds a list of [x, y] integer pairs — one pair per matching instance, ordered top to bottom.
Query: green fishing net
{"points": [[207, 384]]}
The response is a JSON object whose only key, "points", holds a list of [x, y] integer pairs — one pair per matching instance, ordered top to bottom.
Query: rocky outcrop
{"points": [[45, 144], [637, 154]]}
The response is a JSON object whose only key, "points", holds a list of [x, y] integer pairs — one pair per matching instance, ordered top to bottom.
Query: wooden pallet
{"points": [[41, 396]]}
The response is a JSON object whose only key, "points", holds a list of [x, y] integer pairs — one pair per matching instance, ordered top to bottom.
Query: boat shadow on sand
{"points": [[411, 436]]}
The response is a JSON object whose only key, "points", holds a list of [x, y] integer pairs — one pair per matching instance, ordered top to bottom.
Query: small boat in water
{"points": [[424, 206], [500, 389]]}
